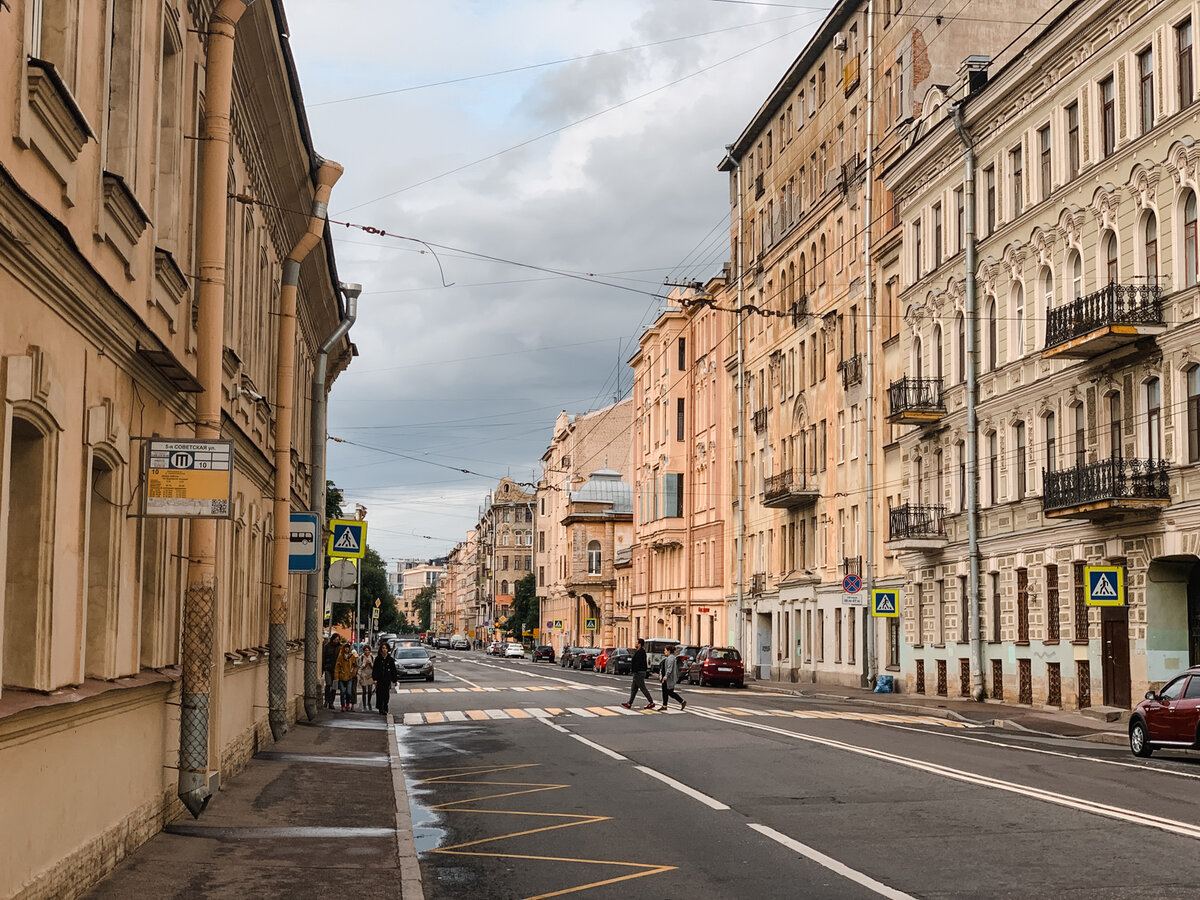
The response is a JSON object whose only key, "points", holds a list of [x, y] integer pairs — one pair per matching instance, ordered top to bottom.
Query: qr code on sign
{"points": [[220, 507]]}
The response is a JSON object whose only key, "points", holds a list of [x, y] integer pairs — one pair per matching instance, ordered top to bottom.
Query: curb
{"points": [[939, 712], [411, 887]]}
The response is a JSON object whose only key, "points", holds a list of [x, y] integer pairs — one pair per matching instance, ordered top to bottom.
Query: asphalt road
{"points": [[527, 780]]}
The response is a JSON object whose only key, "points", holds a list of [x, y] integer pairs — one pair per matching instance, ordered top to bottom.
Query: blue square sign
{"points": [[303, 536], [1105, 585]]}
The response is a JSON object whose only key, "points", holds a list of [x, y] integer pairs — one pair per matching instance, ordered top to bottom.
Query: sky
{"points": [[598, 157]]}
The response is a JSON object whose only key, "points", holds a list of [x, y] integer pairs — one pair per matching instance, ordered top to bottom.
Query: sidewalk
{"points": [[1042, 720], [322, 813]]}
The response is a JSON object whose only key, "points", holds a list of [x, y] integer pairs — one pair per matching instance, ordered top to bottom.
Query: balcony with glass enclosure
{"points": [[1115, 315], [916, 401], [1107, 489]]}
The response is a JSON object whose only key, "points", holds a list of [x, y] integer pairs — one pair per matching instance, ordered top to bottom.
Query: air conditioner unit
{"points": [[839, 41]]}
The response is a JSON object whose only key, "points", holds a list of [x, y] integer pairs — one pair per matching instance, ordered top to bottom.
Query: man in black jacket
{"points": [[640, 669], [383, 673]]}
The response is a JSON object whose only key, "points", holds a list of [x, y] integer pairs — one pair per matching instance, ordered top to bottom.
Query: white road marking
{"points": [[458, 678], [580, 711], [496, 713], [455, 715], [413, 719], [610, 753], [683, 788], [1101, 809], [831, 864]]}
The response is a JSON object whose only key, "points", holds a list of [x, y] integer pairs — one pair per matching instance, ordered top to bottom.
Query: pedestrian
{"points": [[329, 655], [640, 668], [343, 672], [383, 672], [670, 677], [365, 682]]}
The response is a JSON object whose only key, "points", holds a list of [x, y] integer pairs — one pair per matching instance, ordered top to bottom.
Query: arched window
{"points": [[1108, 246], [1150, 248], [1190, 255], [824, 260], [815, 263], [1075, 273], [802, 275], [1046, 289], [1018, 307], [993, 337], [960, 346], [937, 352], [918, 366], [1192, 377], [1153, 419], [1051, 425], [1115, 440], [1020, 461], [593, 557]]}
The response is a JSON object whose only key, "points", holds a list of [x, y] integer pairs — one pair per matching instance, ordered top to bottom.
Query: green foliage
{"points": [[333, 501], [422, 605], [523, 614]]}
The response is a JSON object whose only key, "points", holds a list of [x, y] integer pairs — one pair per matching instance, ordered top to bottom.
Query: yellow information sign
{"points": [[189, 479]]}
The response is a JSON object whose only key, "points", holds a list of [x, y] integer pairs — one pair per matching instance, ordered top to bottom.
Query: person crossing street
{"points": [[639, 668], [383, 672], [670, 677]]}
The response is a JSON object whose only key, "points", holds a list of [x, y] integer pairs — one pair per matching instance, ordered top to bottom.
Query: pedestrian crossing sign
{"points": [[347, 538], [1105, 585], [885, 603], [590, 624]]}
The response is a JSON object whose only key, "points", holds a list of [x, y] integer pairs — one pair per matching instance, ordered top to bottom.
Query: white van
{"points": [[656, 649]]}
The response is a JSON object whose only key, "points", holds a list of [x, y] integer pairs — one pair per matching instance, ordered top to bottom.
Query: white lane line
{"points": [[449, 674], [601, 686], [554, 725], [610, 753], [683, 788], [1100, 809], [832, 864]]}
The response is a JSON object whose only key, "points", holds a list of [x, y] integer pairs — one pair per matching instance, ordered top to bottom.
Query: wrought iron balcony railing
{"points": [[1114, 304], [799, 311], [852, 370], [916, 399], [760, 420], [1100, 487], [788, 489], [921, 522], [852, 565], [758, 584]]}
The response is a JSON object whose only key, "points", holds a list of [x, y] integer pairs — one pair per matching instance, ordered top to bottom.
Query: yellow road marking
{"points": [[602, 711], [733, 712], [517, 713], [477, 714], [434, 718]]}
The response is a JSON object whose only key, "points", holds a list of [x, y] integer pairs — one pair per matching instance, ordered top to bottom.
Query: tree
{"points": [[333, 501], [422, 605], [523, 614]]}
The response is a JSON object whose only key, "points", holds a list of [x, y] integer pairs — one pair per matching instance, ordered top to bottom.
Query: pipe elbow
{"points": [[229, 12], [978, 695]]}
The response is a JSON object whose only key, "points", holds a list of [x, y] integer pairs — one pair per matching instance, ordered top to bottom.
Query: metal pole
{"points": [[870, 661]]}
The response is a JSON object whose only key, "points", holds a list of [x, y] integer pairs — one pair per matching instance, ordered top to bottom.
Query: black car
{"points": [[544, 651], [687, 653], [564, 658], [584, 658], [620, 662]]}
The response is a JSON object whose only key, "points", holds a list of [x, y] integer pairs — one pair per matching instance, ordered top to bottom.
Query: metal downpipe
{"points": [[285, 387], [313, 605], [197, 653], [870, 655]]}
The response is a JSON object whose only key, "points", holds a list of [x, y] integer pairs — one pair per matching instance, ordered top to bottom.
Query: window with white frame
{"points": [[1150, 248], [1190, 256], [1110, 258], [1075, 273], [1018, 310], [993, 336], [1192, 387], [1154, 419], [1050, 425], [1115, 438]]}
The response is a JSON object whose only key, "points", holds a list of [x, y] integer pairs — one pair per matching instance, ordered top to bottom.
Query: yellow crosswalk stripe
{"points": [[602, 711], [517, 713], [477, 715], [434, 718]]}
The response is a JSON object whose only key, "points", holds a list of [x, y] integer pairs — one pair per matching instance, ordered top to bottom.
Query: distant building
{"points": [[506, 548]]}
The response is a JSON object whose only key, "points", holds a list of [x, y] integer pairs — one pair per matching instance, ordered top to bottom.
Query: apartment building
{"points": [[1086, 292], [101, 350], [581, 444], [680, 471], [505, 533], [459, 587]]}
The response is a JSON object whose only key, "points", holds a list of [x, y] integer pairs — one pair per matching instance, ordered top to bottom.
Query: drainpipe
{"points": [[972, 325], [285, 383], [741, 444], [201, 596], [314, 606], [870, 662]]}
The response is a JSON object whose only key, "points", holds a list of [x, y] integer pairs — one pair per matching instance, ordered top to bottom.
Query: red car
{"points": [[602, 659], [717, 665], [1168, 718]]}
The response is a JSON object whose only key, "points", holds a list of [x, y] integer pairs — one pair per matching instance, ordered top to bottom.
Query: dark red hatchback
{"points": [[717, 665], [1168, 718]]}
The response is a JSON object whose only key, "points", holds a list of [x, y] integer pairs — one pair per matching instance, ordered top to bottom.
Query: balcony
{"points": [[850, 75], [759, 188], [799, 311], [1111, 317], [852, 371], [916, 401], [760, 420], [1108, 489], [789, 490], [916, 527], [852, 565], [758, 584]]}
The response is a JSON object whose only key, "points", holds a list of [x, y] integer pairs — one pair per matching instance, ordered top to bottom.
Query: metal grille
{"points": [[1113, 304], [852, 370], [916, 395], [760, 420], [1109, 479], [910, 521], [1023, 605], [1080, 607], [1053, 626], [920, 676], [941, 678], [964, 678], [997, 680], [1025, 681], [1083, 683], [1053, 684]]}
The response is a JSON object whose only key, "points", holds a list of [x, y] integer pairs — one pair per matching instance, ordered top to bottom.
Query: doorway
{"points": [[762, 646], [1114, 647]]}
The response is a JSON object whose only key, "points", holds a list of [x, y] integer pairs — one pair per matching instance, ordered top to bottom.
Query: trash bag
{"points": [[883, 685]]}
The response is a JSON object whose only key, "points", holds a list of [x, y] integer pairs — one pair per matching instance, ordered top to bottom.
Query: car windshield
{"points": [[411, 653], [724, 653]]}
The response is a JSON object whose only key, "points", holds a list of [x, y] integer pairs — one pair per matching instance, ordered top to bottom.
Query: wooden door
{"points": [[1115, 650]]}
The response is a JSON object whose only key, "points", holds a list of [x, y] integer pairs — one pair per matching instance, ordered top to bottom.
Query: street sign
{"points": [[189, 479], [347, 538], [302, 542], [342, 573], [852, 584], [1105, 585], [341, 595], [856, 599], [377, 602], [885, 603], [703, 609], [374, 614], [549, 624], [558, 624], [590, 624]]}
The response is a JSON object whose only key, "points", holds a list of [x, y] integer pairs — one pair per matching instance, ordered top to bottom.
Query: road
{"points": [[527, 780]]}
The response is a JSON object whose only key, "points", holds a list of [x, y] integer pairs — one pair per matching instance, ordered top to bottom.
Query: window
{"points": [[54, 26], [1183, 43], [1145, 62], [900, 87], [1108, 117], [1072, 141], [120, 144], [1016, 159], [1045, 160], [989, 178], [169, 189], [960, 220], [937, 235], [1150, 247], [917, 248], [1190, 256], [1075, 267], [1047, 289], [1018, 305], [960, 341], [993, 342], [682, 346], [937, 352], [1193, 413], [679, 418], [1153, 419], [1080, 434], [1019, 437], [1115, 440], [1051, 443], [993, 468], [962, 476], [672, 495], [593, 557], [541, 576], [504, 586], [1022, 606], [1052, 615]]}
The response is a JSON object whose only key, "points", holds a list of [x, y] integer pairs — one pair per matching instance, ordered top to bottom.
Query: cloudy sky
{"points": [[597, 156]]}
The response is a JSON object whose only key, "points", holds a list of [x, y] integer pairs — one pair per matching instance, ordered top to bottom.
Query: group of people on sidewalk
{"points": [[350, 668], [668, 673]]}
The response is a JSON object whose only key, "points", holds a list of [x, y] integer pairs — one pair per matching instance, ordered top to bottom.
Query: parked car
{"points": [[407, 640], [460, 643], [494, 648], [515, 651], [543, 651], [686, 653], [564, 658], [584, 658], [602, 659], [413, 662], [619, 662], [717, 665], [1168, 718]]}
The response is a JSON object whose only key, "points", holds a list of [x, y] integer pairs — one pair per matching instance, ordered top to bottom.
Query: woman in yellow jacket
{"points": [[344, 671]]}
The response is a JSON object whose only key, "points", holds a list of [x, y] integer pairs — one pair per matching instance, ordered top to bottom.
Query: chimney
{"points": [[974, 72]]}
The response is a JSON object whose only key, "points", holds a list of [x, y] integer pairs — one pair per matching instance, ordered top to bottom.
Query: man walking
{"points": [[329, 656], [640, 669], [384, 674], [670, 677]]}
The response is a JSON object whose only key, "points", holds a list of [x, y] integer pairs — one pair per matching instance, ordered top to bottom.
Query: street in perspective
{"points": [[639, 449]]}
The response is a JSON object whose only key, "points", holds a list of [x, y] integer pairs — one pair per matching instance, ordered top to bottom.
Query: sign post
{"points": [[852, 592]]}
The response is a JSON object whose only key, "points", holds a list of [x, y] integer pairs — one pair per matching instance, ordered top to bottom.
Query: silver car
{"points": [[413, 662]]}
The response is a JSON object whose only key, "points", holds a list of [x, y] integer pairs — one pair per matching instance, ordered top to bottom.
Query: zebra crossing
{"points": [[502, 690], [511, 713]]}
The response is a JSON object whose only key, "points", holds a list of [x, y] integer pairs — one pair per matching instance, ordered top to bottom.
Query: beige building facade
{"points": [[99, 352], [505, 533]]}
